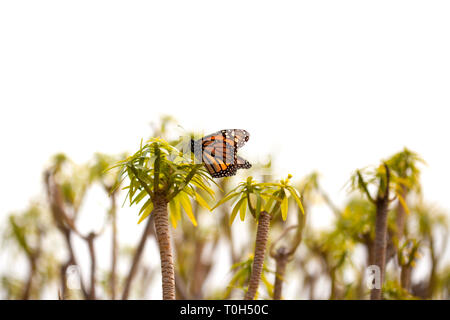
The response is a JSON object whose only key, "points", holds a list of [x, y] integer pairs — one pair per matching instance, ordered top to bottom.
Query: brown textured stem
{"points": [[382, 209], [61, 220], [262, 235], [90, 241], [380, 243], [165, 247], [281, 263], [405, 277], [432, 278], [113, 279], [29, 284], [334, 295]]}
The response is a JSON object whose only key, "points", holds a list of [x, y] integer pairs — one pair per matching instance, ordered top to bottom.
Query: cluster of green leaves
{"points": [[405, 165], [159, 168], [98, 169], [404, 175], [377, 177], [73, 179], [272, 198], [429, 218], [357, 220], [25, 228], [27, 231], [333, 247], [408, 253], [242, 271], [392, 290]]}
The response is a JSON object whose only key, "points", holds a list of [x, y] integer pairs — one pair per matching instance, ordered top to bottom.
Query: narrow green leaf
{"points": [[201, 185], [139, 197], [228, 197], [296, 197], [202, 201], [402, 202], [186, 204], [258, 204], [145, 205], [268, 205], [175, 208], [243, 208], [284, 208], [235, 210], [146, 213], [173, 213], [173, 220]]}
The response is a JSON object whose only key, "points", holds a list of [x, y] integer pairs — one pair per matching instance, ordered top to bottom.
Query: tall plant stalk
{"points": [[153, 173], [264, 201], [381, 202], [262, 234], [165, 246], [280, 271], [113, 279]]}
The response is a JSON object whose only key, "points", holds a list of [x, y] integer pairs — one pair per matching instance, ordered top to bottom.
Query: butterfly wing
{"points": [[234, 138], [218, 151], [241, 163], [217, 168]]}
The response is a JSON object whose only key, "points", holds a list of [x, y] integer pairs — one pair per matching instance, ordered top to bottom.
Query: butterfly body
{"points": [[218, 152]]}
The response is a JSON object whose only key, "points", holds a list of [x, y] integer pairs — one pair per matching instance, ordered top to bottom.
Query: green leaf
{"points": [[201, 185], [272, 196], [139, 197], [228, 197], [296, 197], [202, 201], [402, 202], [186, 204], [258, 204], [269, 204], [145, 206], [175, 207], [243, 208], [284, 208], [148, 210], [235, 210], [175, 211], [173, 220], [268, 284]]}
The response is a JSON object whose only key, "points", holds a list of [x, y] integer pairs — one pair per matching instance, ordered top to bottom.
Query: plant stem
{"points": [[262, 235], [90, 241], [380, 242], [165, 247], [434, 261], [281, 263], [405, 277], [113, 279], [29, 284]]}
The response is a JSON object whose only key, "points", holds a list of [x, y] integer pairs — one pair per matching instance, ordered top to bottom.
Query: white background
{"points": [[328, 85]]}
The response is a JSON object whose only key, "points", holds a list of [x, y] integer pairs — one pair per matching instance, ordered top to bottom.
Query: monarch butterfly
{"points": [[218, 152]]}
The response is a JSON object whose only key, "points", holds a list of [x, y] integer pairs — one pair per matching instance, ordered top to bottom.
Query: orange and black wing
{"points": [[233, 137], [218, 151], [241, 163], [217, 167]]}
